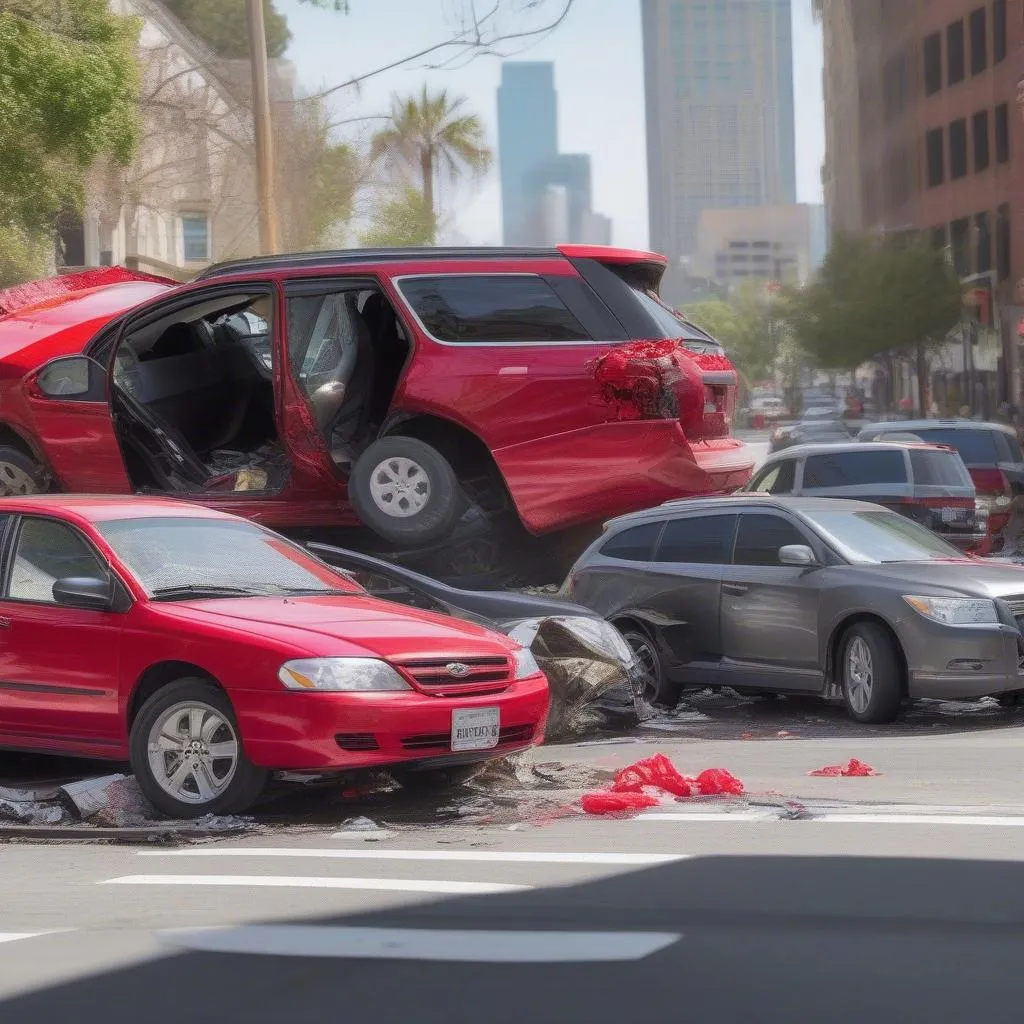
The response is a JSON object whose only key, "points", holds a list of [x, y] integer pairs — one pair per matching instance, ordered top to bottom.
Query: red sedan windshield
{"points": [[180, 557]]}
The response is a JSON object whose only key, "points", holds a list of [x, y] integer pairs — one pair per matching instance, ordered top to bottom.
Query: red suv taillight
{"points": [[994, 495]]}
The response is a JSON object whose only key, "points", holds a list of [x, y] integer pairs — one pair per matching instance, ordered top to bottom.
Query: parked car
{"points": [[387, 387], [809, 431], [990, 451], [927, 483], [822, 596], [209, 651], [591, 670]]}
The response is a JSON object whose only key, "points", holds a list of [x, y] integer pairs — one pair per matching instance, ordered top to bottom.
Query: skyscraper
{"points": [[719, 94], [527, 140], [531, 166]]}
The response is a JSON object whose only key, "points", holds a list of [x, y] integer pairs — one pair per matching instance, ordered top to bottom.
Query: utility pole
{"points": [[261, 120]]}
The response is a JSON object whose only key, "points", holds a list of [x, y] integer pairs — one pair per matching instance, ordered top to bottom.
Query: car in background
{"points": [[398, 389], [809, 431], [991, 452], [927, 483], [822, 596], [209, 651]]}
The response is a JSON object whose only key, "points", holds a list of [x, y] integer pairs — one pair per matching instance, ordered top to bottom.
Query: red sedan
{"points": [[210, 651]]}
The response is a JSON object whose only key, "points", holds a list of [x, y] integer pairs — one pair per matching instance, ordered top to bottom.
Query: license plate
{"points": [[475, 728]]}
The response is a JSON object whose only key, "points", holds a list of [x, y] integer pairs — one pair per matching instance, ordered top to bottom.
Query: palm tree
{"points": [[430, 133]]}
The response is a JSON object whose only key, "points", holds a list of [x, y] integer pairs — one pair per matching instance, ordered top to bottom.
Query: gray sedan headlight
{"points": [[955, 611], [341, 675]]}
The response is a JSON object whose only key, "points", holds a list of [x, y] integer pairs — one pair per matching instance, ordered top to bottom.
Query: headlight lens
{"points": [[955, 611], [525, 663], [347, 675]]}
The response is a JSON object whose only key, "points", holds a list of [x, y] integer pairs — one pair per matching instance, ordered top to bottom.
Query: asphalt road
{"points": [[897, 897]]}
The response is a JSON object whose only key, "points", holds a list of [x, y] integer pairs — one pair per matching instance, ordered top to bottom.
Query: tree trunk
{"points": [[427, 170], [923, 390]]}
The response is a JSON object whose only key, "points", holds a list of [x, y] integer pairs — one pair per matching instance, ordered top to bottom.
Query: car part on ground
{"points": [[383, 397], [927, 483], [808, 596], [591, 670]]}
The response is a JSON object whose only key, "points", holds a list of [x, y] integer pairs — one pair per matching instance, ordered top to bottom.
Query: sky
{"points": [[598, 60]]}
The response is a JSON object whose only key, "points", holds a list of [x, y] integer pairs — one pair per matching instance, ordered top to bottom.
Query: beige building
{"points": [[189, 197], [768, 243]]}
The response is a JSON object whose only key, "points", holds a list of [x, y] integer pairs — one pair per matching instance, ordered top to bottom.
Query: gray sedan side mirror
{"points": [[797, 554]]}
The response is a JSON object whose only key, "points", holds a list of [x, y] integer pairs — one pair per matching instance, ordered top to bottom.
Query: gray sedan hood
{"points": [[975, 577]]}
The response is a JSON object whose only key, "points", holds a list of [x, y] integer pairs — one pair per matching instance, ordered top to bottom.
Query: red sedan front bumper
{"points": [[302, 731]]}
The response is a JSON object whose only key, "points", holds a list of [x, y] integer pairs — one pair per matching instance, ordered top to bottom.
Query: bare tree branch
{"points": [[473, 40]]}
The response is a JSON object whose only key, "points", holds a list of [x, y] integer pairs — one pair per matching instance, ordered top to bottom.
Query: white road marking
{"points": [[845, 819], [463, 856], [304, 882], [15, 936], [518, 947]]}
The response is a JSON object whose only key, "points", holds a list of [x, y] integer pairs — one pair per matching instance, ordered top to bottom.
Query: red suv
{"points": [[396, 388]]}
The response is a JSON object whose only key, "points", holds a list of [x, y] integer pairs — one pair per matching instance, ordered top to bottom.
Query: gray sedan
{"points": [[805, 595]]}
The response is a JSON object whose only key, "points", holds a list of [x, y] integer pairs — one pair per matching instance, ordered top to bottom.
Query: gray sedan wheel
{"points": [[869, 673], [657, 689]]}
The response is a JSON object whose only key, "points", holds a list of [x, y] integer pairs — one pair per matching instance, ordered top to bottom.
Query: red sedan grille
{"points": [[467, 675], [510, 734]]}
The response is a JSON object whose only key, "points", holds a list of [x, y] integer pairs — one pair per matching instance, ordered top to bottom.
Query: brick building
{"points": [[924, 104]]}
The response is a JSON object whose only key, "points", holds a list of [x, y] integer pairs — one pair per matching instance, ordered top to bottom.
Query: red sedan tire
{"points": [[19, 473], [187, 755]]}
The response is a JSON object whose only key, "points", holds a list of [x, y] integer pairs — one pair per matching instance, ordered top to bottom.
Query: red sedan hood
{"points": [[326, 625]]}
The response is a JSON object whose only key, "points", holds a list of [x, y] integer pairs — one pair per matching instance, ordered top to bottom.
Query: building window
{"points": [[998, 31], [979, 41], [955, 53], [933, 63], [979, 128], [1002, 129], [957, 149], [936, 157], [959, 231], [983, 231], [195, 237], [939, 237], [1003, 242]]}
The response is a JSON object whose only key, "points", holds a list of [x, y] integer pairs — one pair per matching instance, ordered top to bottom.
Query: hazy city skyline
{"points": [[598, 58]]}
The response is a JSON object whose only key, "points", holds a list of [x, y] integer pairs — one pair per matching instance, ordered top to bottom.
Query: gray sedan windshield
{"points": [[881, 536]]}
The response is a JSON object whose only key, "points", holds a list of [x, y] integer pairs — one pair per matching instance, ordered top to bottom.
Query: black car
{"points": [[810, 431]]}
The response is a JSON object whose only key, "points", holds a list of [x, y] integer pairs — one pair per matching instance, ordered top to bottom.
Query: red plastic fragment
{"points": [[855, 769], [657, 771], [714, 781], [612, 803]]}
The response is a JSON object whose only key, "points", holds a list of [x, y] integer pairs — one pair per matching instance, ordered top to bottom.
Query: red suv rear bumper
{"points": [[606, 470]]}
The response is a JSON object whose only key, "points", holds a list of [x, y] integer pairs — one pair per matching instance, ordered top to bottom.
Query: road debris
{"points": [[855, 769]]}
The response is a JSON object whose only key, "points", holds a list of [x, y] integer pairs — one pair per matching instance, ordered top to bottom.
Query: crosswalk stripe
{"points": [[454, 856], [309, 882], [16, 936], [520, 947]]}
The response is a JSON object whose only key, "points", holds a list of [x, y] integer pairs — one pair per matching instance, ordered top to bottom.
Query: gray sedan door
{"points": [[769, 611]]}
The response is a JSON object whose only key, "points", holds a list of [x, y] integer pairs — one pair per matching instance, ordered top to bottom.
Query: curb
{"points": [[127, 834]]}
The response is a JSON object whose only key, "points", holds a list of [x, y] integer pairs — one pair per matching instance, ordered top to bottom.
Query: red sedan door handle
{"points": [[734, 589]]}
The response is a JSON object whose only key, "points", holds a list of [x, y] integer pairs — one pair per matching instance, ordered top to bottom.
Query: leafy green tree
{"points": [[222, 24], [68, 83], [431, 134], [407, 219], [22, 257], [874, 295], [744, 325]]}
